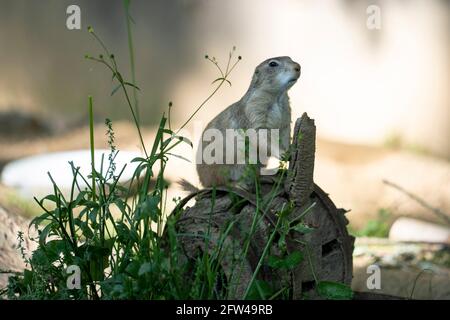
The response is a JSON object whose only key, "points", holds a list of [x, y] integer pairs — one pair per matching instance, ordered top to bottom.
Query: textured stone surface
{"points": [[10, 255], [407, 270]]}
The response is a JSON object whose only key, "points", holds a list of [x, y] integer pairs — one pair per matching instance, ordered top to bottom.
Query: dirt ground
{"points": [[407, 270]]}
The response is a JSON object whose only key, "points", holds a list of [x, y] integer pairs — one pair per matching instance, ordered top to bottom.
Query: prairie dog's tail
{"points": [[187, 186]]}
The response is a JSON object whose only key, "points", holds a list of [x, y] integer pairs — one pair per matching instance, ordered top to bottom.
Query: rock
{"points": [[76, 138], [29, 175], [413, 230], [10, 253], [407, 270], [406, 283]]}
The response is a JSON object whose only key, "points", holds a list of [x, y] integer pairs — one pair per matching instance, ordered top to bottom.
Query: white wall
{"points": [[362, 86]]}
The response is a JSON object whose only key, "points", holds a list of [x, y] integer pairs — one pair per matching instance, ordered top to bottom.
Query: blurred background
{"points": [[366, 86], [380, 97]]}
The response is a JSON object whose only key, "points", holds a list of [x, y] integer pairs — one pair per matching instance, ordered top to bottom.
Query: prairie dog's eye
{"points": [[273, 63]]}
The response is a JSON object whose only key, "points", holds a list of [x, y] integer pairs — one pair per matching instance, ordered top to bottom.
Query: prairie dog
{"points": [[265, 105]]}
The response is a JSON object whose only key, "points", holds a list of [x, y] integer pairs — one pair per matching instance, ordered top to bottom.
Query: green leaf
{"points": [[131, 85], [116, 89], [174, 136], [158, 137], [139, 159], [143, 166], [51, 198], [80, 200], [121, 204], [148, 208], [93, 217], [39, 219], [302, 228], [85, 229], [45, 233], [126, 235], [282, 242], [109, 243], [54, 248], [92, 252], [39, 258], [98, 258], [293, 260], [275, 262], [289, 262], [95, 268], [133, 268], [145, 268], [28, 277], [259, 290], [334, 290]]}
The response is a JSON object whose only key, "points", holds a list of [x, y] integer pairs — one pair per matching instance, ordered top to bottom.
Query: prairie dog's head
{"points": [[276, 74]]}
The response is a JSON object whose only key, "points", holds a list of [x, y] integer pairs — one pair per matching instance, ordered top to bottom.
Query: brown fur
{"points": [[265, 105]]}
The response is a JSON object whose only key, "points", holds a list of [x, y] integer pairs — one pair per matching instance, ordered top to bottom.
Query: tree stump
{"points": [[327, 250]]}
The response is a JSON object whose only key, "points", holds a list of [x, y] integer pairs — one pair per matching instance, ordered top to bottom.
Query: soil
{"points": [[407, 270]]}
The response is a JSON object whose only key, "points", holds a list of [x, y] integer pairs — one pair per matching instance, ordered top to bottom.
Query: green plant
{"points": [[376, 228], [121, 241], [119, 256]]}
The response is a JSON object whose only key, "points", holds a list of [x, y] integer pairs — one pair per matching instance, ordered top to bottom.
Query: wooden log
{"points": [[300, 182], [327, 250]]}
